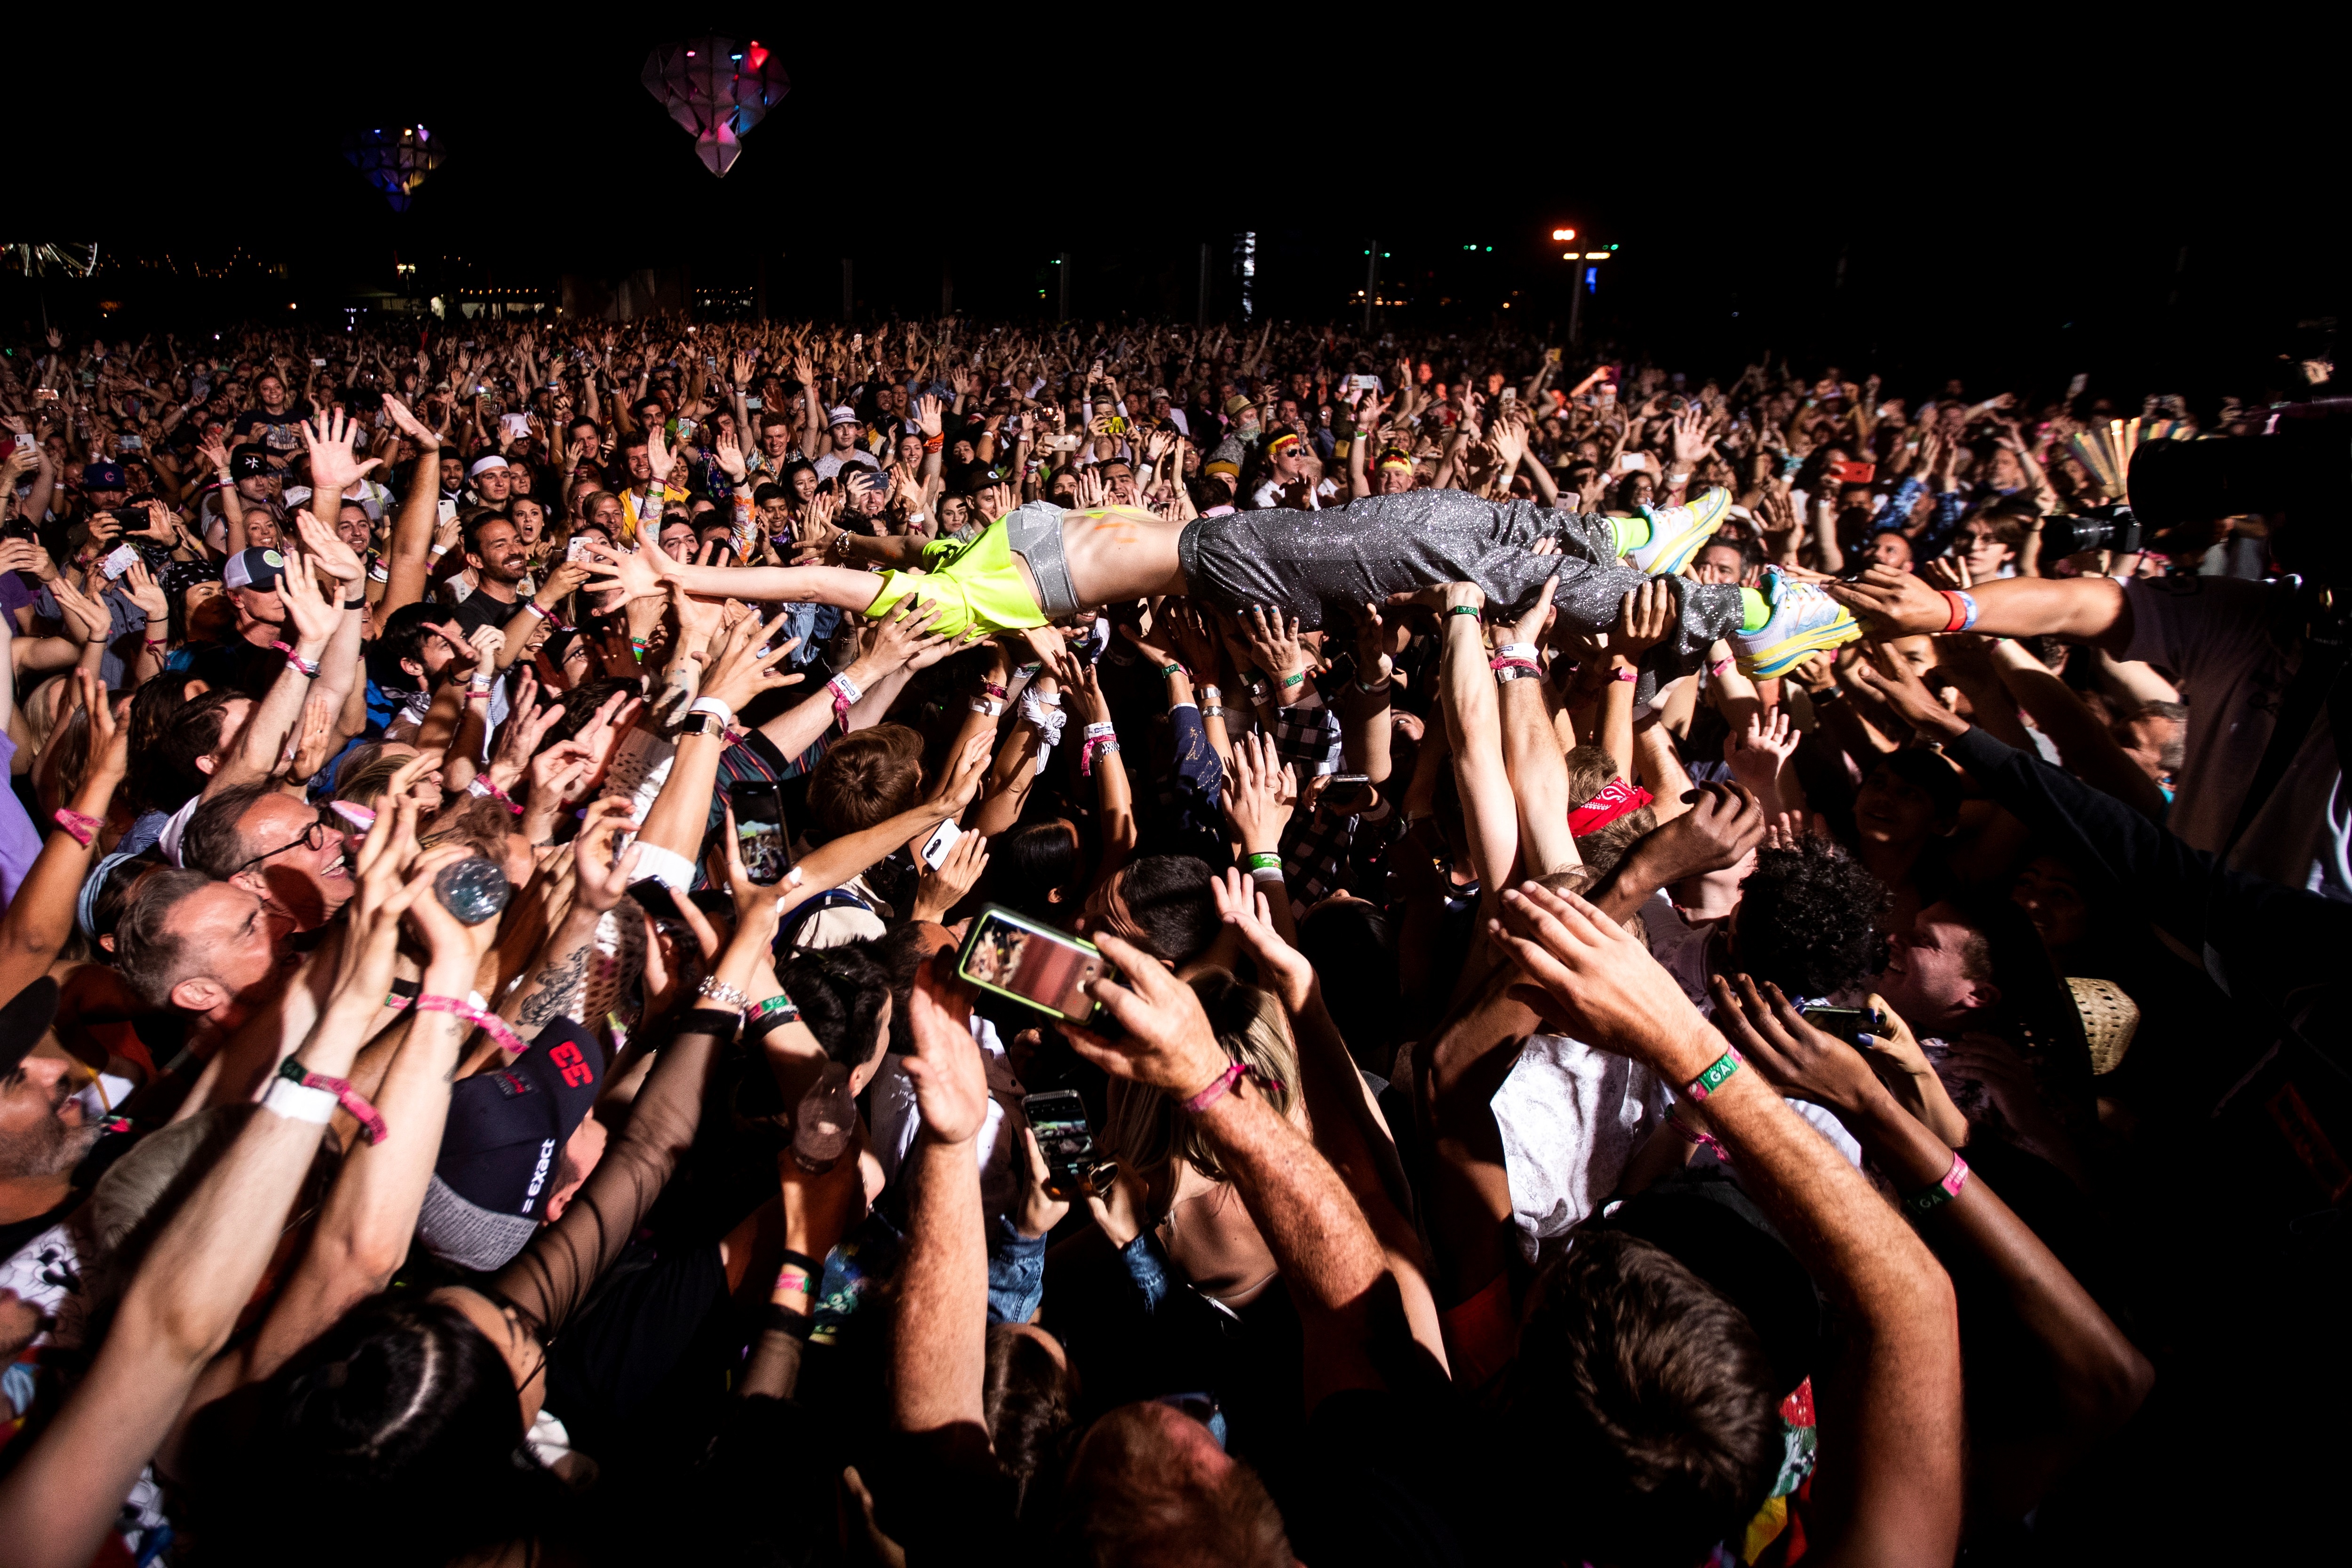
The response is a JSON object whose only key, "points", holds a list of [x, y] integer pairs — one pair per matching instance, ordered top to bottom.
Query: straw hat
{"points": [[2109, 1020]]}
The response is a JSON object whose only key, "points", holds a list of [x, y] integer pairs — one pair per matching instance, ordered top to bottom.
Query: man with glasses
{"points": [[289, 854]]}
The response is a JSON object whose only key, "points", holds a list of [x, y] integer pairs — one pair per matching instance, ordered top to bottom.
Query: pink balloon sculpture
{"points": [[718, 90]]}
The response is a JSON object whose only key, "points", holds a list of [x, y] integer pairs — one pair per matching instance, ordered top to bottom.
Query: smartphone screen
{"points": [[759, 830], [1016, 956], [1058, 1117]]}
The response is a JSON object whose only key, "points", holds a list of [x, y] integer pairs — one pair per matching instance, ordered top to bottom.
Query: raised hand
{"points": [[328, 440], [730, 451], [327, 549], [635, 574], [1644, 619], [1274, 642], [743, 663], [1757, 754], [1260, 794], [602, 869], [942, 887], [1283, 969], [1589, 978], [1167, 1043], [950, 1082]]}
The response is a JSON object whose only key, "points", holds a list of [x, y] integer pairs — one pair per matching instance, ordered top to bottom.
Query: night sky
{"points": [[1988, 196]]}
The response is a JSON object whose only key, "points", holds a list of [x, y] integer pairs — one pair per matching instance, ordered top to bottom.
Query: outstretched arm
{"points": [[1890, 1484]]}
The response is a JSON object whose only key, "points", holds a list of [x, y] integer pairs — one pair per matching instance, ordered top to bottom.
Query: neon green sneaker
{"points": [[1677, 533], [1803, 619]]}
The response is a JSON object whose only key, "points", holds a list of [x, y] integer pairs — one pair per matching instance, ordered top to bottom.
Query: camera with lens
{"points": [[2298, 476], [2115, 528]]}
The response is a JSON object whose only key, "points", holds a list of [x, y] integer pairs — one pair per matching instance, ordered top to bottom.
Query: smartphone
{"points": [[318, 364], [1510, 394], [751, 401], [515, 426], [26, 441], [131, 442], [1630, 463], [1854, 473], [578, 549], [120, 561], [1347, 781], [760, 830], [936, 848], [654, 896], [1013, 956], [1843, 1022], [1058, 1117]]}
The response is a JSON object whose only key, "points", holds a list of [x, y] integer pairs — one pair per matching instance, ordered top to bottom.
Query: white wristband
{"points": [[1527, 650], [714, 705], [666, 866], [1266, 873], [298, 1101]]}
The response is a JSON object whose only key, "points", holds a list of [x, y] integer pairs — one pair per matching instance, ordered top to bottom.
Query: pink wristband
{"points": [[83, 828], [465, 1011], [1221, 1085], [370, 1119]]}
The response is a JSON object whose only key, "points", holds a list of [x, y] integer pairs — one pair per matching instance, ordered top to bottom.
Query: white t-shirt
{"points": [[829, 465], [2227, 643], [1571, 1117]]}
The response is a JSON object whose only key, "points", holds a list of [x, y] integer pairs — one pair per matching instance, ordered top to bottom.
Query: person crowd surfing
{"points": [[1636, 932]]}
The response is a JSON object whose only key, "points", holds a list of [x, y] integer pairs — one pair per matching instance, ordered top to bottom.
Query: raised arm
{"points": [[408, 557], [1328, 1256], [938, 1346], [2098, 1376], [1889, 1488], [57, 1505]]}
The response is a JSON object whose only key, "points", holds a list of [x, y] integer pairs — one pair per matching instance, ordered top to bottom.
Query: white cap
{"points": [[845, 414], [483, 465]]}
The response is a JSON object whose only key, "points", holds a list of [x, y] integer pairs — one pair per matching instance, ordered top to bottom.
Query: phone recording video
{"points": [[760, 836], [1016, 956], [1073, 1166]]}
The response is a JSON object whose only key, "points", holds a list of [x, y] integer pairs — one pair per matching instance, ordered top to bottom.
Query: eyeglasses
{"points": [[314, 838]]}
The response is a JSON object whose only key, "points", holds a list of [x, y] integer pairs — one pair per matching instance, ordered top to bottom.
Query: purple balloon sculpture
{"points": [[718, 90]]}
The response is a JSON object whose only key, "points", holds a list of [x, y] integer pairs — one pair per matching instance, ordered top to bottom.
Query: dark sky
{"points": [[1989, 190]]}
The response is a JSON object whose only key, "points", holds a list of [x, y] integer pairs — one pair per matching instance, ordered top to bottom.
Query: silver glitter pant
{"points": [[1308, 562]]}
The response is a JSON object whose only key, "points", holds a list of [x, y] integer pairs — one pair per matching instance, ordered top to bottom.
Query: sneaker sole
{"points": [[1780, 656]]}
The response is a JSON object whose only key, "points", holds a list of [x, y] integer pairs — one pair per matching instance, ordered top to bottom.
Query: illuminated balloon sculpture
{"points": [[718, 90], [396, 161]]}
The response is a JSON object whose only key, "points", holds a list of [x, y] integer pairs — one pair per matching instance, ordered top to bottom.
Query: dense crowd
{"points": [[1112, 943]]}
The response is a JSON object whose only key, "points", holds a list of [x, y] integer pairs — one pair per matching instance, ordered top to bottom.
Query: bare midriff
{"points": [[1119, 553]]}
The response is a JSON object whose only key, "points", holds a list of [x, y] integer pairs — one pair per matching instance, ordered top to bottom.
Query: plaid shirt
{"points": [[1309, 736], [1321, 852]]}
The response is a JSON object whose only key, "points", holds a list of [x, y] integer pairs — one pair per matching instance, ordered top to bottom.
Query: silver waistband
{"points": [[1035, 532]]}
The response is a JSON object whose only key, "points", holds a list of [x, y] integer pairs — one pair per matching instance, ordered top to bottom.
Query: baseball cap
{"points": [[845, 414], [248, 463], [484, 464], [103, 477], [258, 569], [498, 1150]]}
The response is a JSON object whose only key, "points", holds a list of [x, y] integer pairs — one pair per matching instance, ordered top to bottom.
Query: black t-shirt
{"points": [[280, 432], [480, 609], [1377, 1481]]}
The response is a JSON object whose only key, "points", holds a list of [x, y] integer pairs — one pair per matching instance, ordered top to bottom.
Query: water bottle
{"points": [[474, 889], [823, 1124]]}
